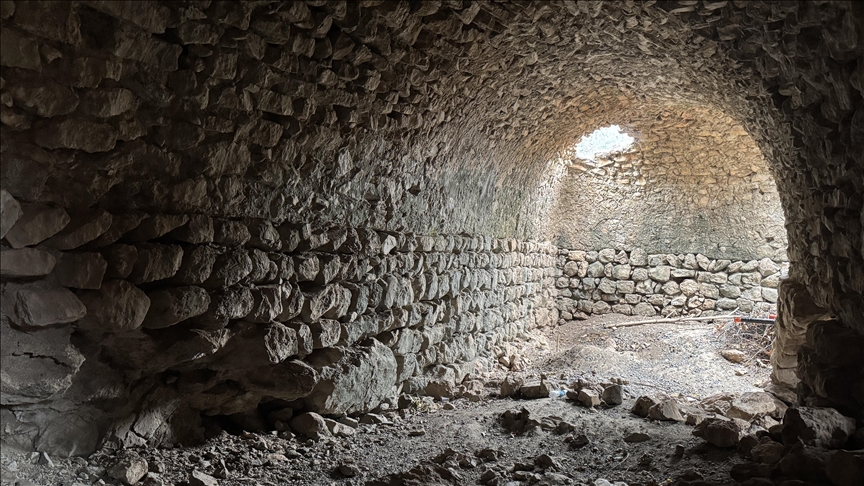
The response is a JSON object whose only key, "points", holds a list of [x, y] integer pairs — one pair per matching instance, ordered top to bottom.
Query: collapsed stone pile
{"points": [[637, 283], [180, 315]]}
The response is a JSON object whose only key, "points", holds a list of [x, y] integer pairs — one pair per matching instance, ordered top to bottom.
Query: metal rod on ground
{"points": [[667, 320]]}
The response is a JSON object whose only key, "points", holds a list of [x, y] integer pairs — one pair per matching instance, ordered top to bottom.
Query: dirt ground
{"points": [[462, 441]]}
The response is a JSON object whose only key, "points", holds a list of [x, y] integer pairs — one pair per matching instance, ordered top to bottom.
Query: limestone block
{"points": [[19, 50], [44, 98], [107, 102], [75, 133], [10, 211], [36, 224], [120, 225], [155, 226], [85, 227], [198, 229], [227, 232], [263, 235], [121, 260], [26, 262], [156, 262], [197, 265], [330, 265], [260, 266], [306, 267], [229, 268], [79, 270], [621, 272], [660, 273], [293, 302], [39, 304], [175, 304], [267, 304], [225, 305], [117, 306], [325, 333], [36, 364], [352, 379], [751, 405]]}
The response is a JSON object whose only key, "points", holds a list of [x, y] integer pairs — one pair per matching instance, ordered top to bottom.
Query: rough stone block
{"points": [[36, 224], [85, 226], [26, 262], [156, 262], [80, 270], [175, 304], [38, 305], [117, 306], [36, 364]]}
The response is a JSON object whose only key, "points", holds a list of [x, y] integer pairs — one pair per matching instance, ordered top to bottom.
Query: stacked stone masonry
{"points": [[129, 127], [637, 283], [224, 310]]}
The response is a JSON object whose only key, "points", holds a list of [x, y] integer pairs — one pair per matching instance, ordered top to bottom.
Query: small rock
{"points": [[733, 355], [510, 386], [535, 390], [612, 395], [589, 397], [643, 405], [751, 405], [666, 410], [374, 419], [311, 425], [339, 429], [416, 432], [718, 432], [636, 437], [577, 441], [45, 460], [545, 461], [130, 469], [348, 470], [198, 478]]}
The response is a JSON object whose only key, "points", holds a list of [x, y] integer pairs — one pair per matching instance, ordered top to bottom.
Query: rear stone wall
{"points": [[637, 283], [132, 326]]}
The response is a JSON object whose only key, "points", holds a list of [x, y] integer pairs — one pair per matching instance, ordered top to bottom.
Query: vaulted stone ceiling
{"points": [[372, 137]]}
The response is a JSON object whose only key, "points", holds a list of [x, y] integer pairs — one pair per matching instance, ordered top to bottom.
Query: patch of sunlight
{"points": [[603, 141]]}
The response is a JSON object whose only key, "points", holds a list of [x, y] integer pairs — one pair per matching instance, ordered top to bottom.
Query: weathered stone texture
{"points": [[387, 181]]}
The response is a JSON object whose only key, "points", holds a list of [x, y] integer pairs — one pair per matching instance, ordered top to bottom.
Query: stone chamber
{"points": [[213, 208]]}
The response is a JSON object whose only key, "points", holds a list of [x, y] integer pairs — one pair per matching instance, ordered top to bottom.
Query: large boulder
{"points": [[37, 364], [353, 380], [820, 427]]}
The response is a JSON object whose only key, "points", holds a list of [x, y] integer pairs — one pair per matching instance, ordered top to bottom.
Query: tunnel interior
{"points": [[210, 207]]}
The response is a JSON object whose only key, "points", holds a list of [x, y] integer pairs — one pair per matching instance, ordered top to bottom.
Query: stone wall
{"points": [[396, 117], [693, 179], [637, 283], [99, 308]]}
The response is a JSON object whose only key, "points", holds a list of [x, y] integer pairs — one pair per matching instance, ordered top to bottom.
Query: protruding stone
{"points": [[10, 211], [36, 224], [155, 226], [84, 228], [198, 229], [26, 262], [156, 262], [80, 270], [175, 304], [38, 305], [117, 306], [36, 364], [310, 425], [718, 432], [129, 469]]}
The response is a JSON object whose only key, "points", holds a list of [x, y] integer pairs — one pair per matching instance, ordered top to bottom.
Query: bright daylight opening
{"points": [[603, 141]]}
